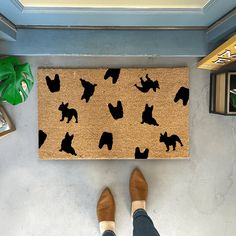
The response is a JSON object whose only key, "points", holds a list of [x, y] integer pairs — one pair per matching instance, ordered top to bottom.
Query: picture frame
{"points": [[223, 93], [231, 93], [6, 125]]}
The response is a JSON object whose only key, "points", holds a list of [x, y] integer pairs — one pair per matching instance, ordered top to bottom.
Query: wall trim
{"points": [[18, 4], [209, 5], [79, 9], [72, 10], [222, 20], [7, 22], [52, 27], [222, 28], [7, 29]]}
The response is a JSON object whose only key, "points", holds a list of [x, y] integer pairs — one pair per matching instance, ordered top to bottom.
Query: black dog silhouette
{"points": [[114, 73], [53, 85], [147, 85], [88, 89], [183, 94], [116, 112], [69, 113], [147, 116], [42, 138], [106, 139], [170, 141], [66, 144], [141, 155]]}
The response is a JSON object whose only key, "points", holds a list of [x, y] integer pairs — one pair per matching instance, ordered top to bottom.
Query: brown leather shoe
{"points": [[138, 186], [106, 206]]}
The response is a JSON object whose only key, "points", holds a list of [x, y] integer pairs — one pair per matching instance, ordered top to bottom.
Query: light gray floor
{"points": [[195, 197]]}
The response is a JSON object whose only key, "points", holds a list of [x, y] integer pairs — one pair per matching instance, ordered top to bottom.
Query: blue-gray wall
{"points": [[166, 32], [107, 43]]}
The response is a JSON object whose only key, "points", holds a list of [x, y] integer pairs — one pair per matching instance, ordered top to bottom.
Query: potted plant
{"points": [[16, 80]]}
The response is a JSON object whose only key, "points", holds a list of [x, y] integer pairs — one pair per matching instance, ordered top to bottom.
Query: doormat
{"points": [[113, 113]]}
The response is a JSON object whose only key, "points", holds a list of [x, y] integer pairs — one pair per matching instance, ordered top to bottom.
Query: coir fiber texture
{"points": [[113, 113]]}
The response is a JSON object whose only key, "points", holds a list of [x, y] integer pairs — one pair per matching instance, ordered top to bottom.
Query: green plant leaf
{"points": [[9, 61], [16, 80], [233, 100]]}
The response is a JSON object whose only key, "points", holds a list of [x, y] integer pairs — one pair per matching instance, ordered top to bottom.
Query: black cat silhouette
{"points": [[114, 73], [53, 85], [147, 85], [88, 89], [183, 94], [116, 112], [69, 113], [147, 116], [42, 138], [106, 139], [170, 141], [66, 144], [141, 155]]}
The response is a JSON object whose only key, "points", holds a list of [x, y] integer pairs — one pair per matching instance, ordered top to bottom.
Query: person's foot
{"points": [[138, 190], [106, 211]]}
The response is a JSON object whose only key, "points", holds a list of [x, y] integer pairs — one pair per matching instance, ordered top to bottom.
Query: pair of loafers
{"points": [[138, 188]]}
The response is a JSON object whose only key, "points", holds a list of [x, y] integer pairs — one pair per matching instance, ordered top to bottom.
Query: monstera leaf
{"points": [[16, 80]]}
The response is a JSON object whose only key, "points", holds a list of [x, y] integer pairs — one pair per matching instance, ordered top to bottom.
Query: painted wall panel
{"points": [[147, 43]]}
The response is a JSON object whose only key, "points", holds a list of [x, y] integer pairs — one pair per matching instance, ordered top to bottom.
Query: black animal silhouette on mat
{"points": [[114, 73], [53, 85], [147, 85], [88, 90], [182, 94], [116, 112], [69, 113], [147, 116], [42, 138], [106, 139], [170, 141], [66, 144], [141, 155]]}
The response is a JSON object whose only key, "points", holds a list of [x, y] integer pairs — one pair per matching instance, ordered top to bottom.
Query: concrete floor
{"points": [[193, 197]]}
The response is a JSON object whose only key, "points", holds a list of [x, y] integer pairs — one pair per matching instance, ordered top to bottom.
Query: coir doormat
{"points": [[113, 113]]}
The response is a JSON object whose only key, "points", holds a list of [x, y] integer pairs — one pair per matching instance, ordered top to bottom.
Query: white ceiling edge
{"points": [[143, 4]]}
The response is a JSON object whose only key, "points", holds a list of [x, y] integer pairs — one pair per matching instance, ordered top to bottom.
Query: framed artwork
{"points": [[223, 93], [6, 125]]}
